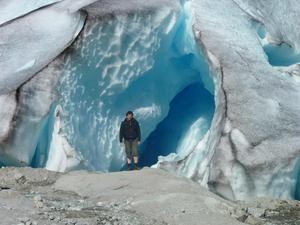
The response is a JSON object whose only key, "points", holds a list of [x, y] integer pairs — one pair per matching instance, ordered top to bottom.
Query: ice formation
{"points": [[44, 27], [120, 64], [214, 84], [253, 144]]}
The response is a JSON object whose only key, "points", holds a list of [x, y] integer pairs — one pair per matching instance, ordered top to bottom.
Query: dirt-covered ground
{"points": [[148, 196]]}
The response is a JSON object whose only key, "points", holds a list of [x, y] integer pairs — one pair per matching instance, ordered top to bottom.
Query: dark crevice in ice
{"points": [[190, 104]]}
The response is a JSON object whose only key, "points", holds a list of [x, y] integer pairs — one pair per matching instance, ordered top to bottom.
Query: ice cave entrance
{"points": [[147, 62], [192, 103]]}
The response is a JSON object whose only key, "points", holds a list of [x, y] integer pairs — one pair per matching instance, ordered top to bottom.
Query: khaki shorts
{"points": [[131, 148]]}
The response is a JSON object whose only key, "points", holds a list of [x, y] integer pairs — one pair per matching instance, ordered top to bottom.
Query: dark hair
{"points": [[129, 112]]}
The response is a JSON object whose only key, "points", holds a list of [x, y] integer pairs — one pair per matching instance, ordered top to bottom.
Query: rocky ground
{"points": [[148, 196]]}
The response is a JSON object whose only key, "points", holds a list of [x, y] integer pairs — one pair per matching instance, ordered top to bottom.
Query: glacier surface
{"points": [[13, 9], [19, 61]]}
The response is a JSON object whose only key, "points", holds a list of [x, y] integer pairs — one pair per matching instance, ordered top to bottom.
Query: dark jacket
{"points": [[130, 130]]}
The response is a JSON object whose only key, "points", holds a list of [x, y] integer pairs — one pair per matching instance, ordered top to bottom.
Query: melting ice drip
{"points": [[141, 62]]}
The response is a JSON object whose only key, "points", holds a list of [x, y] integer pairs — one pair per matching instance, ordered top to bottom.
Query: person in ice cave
{"points": [[131, 133]]}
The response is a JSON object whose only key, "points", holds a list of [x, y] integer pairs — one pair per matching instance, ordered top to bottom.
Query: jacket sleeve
{"points": [[138, 131], [121, 133]]}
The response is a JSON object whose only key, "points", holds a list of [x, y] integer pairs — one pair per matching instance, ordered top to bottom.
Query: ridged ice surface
{"points": [[121, 63]]}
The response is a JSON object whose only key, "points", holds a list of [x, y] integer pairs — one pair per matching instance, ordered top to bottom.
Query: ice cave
{"points": [[115, 65], [216, 91]]}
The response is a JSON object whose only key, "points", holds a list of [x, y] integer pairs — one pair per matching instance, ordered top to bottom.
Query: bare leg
{"points": [[136, 159], [128, 160]]}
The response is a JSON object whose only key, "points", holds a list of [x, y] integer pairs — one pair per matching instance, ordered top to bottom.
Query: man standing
{"points": [[130, 131]]}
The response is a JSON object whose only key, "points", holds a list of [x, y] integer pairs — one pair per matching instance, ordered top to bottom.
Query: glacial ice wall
{"points": [[16, 8], [44, 29], [118, 62], [121, 63], [30, 71], [252, 147]]}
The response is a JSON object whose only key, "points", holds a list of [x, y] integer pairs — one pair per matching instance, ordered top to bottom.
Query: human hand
{"points": [[139, 142]]}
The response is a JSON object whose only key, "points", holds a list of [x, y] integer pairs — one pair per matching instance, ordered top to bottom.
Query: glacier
{"points": [[17, 8], [44, 30], [278, 53], [119, 64], [214, 84], [82, 93], [252, 148]]}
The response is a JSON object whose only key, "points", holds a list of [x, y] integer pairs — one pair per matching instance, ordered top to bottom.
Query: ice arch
{"points": [[140, 61], [188, 119]]}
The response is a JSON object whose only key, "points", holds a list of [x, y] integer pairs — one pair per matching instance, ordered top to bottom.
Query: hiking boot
{"points": [[136, 166], [129, 167]]}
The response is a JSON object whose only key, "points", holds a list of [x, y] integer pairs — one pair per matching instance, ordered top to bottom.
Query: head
{"points": [[129, 115]]}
